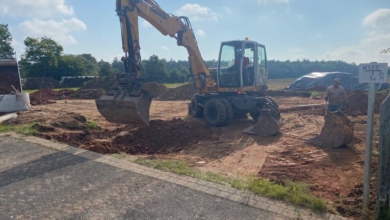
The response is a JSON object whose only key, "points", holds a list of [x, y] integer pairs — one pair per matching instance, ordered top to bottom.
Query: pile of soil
{"points": [[101, 83], [155, 89], [184, 92], [88, 94], [43, 97], [358, 102], [162, 137]]}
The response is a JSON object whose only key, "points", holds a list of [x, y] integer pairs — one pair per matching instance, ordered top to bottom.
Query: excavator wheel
{"points": [[272, 101], [195, 109], [229, 111], [215, 112], [268, 120]]}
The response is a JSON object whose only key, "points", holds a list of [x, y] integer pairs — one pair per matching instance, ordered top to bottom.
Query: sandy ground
{"points": [[334, 174]]}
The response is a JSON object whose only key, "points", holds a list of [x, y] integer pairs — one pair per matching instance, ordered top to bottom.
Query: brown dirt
{"points": [[184, 92], [88, 94], [42, 97], [333, 174]]}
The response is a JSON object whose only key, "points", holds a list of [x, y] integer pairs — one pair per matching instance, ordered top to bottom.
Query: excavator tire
{"points": [[272, 101], [195, 109], [229, 111], [215, 112], [268, 120]]}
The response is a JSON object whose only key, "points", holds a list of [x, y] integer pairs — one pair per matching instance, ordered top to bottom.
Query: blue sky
{"points": [[349, 30]]}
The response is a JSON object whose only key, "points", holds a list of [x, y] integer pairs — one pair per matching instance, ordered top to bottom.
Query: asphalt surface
{"points": [[41, 183]]}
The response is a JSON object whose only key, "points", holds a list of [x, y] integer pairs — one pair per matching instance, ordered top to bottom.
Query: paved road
{"points": [[41, 183]]}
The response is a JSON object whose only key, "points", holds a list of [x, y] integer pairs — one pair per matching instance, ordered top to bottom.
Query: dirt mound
{"points": [[105, 82], [156, 89], [184, 92], [88, 94], [42, 97], [358, 102], [162, 137]]}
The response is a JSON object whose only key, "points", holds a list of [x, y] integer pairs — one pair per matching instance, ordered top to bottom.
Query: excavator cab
{"points": [[242, 64]]}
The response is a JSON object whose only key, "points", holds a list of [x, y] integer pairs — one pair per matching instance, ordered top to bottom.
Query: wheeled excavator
{"points": [[234, 89]]}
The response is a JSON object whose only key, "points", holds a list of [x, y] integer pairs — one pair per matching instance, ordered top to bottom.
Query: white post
{"points": [[367, 161]]}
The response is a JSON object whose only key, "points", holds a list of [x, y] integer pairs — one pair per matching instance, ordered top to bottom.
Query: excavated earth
{"points": [[333, 174]]}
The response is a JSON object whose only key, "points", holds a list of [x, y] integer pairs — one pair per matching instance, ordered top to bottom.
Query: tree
{"points": [[6, 50], [41, 57], [72, 65], [118, 65], [92, 67], [105, 68], [156, 69]]}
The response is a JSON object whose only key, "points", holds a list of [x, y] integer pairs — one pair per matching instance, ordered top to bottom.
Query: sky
{"points": [[349, 30]]}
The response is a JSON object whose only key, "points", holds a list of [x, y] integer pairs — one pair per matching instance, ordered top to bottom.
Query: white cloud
{"points": [[263, 2], [34, 8], [197, 12], [378, 19], [58, 30], [200, 32], [318, 35], [18, 46], [370, 46], [163, 47]]}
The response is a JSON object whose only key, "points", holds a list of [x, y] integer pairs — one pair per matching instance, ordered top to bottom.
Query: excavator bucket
{"points": [[9, 76], [117, 106], [121, 108], [268, 123], [337, 131]]}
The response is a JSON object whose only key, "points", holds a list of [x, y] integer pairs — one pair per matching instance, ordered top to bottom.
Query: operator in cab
{"points": [[336, 96]]}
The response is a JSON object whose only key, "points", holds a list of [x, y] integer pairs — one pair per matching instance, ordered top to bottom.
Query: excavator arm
{"points": [[174, 26]]}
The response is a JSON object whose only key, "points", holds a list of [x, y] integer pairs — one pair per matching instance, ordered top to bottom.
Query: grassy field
{"points": [[274, 84], [279, 84], [174, 85], [58, 89]]}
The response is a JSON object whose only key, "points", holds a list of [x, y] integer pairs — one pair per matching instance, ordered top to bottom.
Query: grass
{"points": [[279, 84], [174, 85], [57, 89], [315, 93], [92, 125], [22, 129], [296, 193]]}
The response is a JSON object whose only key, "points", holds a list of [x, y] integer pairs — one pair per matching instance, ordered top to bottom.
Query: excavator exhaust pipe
{"points": [[121, 108], [268, 123], [337, 131]]}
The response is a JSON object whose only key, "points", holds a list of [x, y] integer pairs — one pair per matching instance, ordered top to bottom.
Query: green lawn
{"points": [[279, 84], [174, 85], [58, 89]]}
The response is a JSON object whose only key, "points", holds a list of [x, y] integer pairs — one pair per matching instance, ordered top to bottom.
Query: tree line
{"points": [[44, 57]]}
